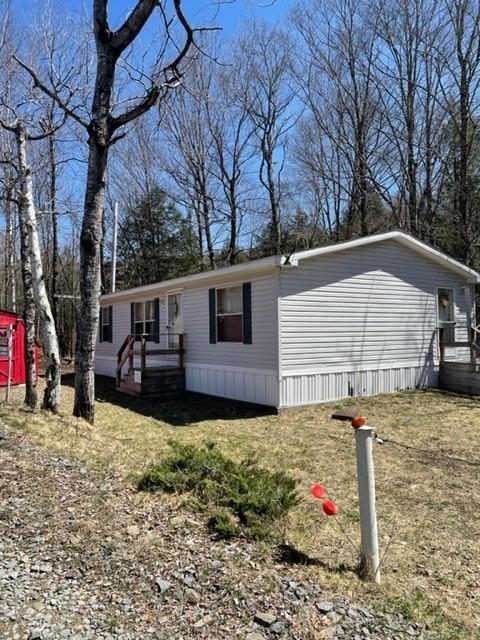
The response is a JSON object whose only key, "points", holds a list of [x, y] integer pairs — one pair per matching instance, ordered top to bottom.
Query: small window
{"points": [[230, 314], [145, 319], [106, 328]]}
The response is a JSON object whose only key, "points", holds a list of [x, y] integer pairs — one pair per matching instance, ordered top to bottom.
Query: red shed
{"points": [[18, 371]]}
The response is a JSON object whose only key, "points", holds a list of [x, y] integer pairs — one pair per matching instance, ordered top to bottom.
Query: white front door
{"points": [[446, 313], [174, 318]]}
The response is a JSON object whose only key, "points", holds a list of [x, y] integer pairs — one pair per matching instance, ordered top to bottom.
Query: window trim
{"points": [[220, 315]]}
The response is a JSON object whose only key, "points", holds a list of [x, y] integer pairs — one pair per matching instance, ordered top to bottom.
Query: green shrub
{"points": [[239, 498], [222, 523]]}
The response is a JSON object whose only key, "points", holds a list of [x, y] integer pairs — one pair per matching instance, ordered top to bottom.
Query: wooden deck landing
{"points": [[460, 377], [160, 380]]}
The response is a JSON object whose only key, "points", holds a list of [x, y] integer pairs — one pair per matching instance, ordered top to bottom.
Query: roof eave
{"points": [[407, 240], [263, 264]]}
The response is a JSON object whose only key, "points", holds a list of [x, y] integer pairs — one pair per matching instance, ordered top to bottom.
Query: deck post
{"points": [[441, 334], [180, 346], [473, 352], [143, 355], [366, 493]]}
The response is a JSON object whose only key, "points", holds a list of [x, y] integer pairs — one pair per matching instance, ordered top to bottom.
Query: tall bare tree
{"points": [[265, 67], [337, 79], [461, 93], [104, 121], [231, 131], [188, 154], [29, 227]]}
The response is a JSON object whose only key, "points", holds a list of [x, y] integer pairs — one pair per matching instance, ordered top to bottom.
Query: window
{"points": [[230, 314], [144, 322], [106, 324]]}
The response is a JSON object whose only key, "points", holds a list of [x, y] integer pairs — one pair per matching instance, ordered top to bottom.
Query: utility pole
{"points": [[114, 246]]}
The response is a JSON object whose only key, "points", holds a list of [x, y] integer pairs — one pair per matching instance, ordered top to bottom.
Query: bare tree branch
{"points": [[51, 93]]}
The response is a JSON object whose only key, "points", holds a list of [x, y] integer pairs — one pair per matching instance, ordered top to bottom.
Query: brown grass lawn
{"points": [[428, 491]]}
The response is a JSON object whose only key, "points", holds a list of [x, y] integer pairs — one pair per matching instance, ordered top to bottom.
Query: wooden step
{"points": [[160, 372], [161, 382], [130, 388]]}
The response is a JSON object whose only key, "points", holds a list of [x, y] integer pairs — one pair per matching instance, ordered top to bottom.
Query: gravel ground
{"points": [[85, 557]]}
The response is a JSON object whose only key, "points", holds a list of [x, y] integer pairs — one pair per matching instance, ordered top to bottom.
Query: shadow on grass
{"points": [[183, 411], [292, 556]]}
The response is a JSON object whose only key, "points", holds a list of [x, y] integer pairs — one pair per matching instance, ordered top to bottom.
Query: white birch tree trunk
{"points": [[51, 397]]}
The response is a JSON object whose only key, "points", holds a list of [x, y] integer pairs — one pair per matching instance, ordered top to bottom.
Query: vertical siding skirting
{"points": [[249, 385], [301, 389]]}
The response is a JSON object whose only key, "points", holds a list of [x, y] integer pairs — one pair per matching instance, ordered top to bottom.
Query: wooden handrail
{"points": [[473, 344], [128, 351], [122, 359]]}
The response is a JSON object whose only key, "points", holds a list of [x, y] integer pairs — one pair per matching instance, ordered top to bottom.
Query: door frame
{"points": [[454, 307]]}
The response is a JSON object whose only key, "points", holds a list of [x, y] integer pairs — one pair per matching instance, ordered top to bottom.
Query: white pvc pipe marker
{"points": [[366, 494]]}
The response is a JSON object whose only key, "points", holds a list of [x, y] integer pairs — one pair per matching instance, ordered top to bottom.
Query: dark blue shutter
{"points": [[156, 306], [212, 306], [247, 313], [132, 318], [110, 324], [100, 326]]}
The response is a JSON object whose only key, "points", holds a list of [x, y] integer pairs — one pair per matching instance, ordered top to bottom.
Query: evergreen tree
{"points": [[156, 242]]}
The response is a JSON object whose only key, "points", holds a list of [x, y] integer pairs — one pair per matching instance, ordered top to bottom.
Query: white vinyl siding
{"points": [[364, 308], [262, 354]]}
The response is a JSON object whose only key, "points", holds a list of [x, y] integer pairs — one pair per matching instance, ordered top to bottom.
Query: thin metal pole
{"points": [[114, 246], [366, 494]]}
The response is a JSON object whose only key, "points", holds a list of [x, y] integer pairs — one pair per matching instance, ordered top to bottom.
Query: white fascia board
{"points": [[405, 239], [263, 264]]}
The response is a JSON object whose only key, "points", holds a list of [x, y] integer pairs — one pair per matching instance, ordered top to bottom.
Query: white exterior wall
{"points": [[356, 322], [360, 322], [246, 372]]}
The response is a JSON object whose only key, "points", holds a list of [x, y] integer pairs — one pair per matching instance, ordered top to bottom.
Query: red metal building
{"points": [[18, 370]]}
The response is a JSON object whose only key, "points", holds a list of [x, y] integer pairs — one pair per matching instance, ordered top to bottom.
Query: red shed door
{"points": [[6, 355]]}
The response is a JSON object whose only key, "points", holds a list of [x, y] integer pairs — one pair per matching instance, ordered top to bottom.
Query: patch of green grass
{"points": [[240, 498], [417, 605]]}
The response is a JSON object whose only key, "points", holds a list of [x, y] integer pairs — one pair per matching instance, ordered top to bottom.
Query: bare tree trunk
{"points": [[267, 148], [206, 220], [91, 237], [90, 250], [10, 284], [31, 397], [51, 397]]}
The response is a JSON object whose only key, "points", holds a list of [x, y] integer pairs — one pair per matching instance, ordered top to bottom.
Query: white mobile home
{"points": [[353, 319]]}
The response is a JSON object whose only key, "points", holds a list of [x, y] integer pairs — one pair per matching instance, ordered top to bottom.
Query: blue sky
{"points": [[226, 14]]}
